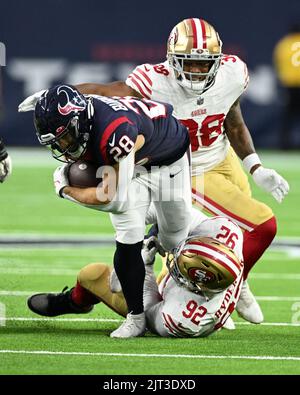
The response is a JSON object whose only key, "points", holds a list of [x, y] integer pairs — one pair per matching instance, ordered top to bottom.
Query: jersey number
{"points": [[150, 108], [205, 134], [126, 145], [227, 237], [194, 312]]}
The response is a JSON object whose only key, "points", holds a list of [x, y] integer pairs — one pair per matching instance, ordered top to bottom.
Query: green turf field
{"points": [[30, 344]]}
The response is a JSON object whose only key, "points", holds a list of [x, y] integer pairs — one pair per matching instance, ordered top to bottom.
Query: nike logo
{"points": [[113, 141], [173, 175]]}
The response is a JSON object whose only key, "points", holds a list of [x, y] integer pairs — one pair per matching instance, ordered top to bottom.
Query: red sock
{"points": [[256, 242], [82, 297]]}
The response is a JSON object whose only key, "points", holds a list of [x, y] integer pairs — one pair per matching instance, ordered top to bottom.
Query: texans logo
{"points": [[75, 104]]}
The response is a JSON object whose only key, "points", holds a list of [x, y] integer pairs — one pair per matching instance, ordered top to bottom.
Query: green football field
{"points": [[33, 219]]}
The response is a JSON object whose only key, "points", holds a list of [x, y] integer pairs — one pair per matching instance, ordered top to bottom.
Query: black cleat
{"points": [[52, 305]]}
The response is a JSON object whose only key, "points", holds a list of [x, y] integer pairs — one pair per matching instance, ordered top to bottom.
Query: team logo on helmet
{"points": [[173, 36], [76, 102], [201, 276]]}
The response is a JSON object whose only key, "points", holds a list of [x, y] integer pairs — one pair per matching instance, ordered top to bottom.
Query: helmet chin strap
{"points": [[90, 109]]}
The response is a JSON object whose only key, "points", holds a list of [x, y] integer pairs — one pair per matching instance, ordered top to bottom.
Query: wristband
{"points": [[251, 160]]}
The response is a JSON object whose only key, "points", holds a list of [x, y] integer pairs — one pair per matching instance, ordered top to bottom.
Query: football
{"points": [[82, 174]]}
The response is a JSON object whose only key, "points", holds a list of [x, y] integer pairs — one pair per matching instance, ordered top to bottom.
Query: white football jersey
{"points": [[203, 114], [172, 310]]}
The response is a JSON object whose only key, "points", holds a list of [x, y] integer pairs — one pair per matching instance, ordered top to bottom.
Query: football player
{"points": [[204, 86], [118, 135], [5, 162], [194, 299]]}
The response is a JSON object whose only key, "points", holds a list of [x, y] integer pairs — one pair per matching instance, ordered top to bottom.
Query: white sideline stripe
{"points": [[38, 270], [275, 276], [263, 298], [278, 298], [30, 319], [63, 319], [268, 323], [115, 354]]}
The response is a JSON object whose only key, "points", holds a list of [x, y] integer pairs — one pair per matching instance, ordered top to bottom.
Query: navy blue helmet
{"points": [[62, 120]]}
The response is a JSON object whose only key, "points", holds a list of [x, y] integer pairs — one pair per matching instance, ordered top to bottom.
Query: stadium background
{"points": [[100, 41], [44, 240]]}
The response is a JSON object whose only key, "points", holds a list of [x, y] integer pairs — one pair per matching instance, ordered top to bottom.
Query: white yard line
{"points": [[62, 270], [262, 298], [45, 319], [133, 355]]}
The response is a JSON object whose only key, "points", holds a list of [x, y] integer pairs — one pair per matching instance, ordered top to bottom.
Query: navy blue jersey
{"points": [[118, 121]]}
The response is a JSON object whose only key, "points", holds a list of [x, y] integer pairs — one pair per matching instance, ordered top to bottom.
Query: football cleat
{"points": [[52, 305], [247, 306], [229, 324], [133, 326]]}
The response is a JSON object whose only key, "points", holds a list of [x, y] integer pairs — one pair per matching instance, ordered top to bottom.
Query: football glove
{"points": [[29, 103], [5, 163], [5, 168], [60, 179], [270, 181], [150, 247]]}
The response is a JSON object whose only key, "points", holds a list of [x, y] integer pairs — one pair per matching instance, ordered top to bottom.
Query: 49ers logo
{"points": [[173, 36], [76, 103], [201, 276]]}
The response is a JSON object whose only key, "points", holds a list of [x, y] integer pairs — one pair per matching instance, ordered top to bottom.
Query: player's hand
{"points": [[29, 103], [5, 168], [60, 179], [270, 181], [150, 247]]}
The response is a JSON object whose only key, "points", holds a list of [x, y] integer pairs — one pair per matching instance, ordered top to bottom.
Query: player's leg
{"points": [[227, 192], [173, 204], [128, 262], [95, 278], [76, 300]]}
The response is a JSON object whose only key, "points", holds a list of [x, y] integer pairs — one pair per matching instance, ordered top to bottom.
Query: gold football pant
{"points": [[95, 278]]}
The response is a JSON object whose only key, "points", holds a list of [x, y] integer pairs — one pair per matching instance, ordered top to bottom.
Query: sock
{"points": [[256, 242], [130, 269], [82, 297]]}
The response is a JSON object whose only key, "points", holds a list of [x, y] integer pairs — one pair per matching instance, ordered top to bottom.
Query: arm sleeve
{"points": [[141, 80]]}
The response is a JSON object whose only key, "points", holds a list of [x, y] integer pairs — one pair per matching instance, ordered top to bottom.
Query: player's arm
{"points": [[117, 88], [238, 133], [240, 139], [111, 194], [95, 196]]}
